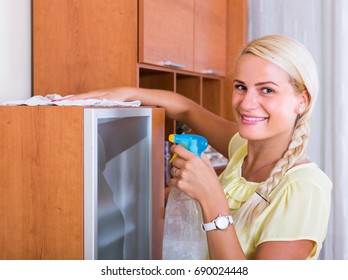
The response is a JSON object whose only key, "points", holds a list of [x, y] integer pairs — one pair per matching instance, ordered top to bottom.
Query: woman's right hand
{"points": [[117, 94]]}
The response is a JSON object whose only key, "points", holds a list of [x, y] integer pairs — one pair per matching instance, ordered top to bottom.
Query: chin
{"points": [[250, 134]]}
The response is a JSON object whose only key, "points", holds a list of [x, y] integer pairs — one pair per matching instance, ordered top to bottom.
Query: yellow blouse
{"points": [[299, 208]]}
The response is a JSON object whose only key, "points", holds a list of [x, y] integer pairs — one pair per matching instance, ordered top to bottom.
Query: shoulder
{"points": [[309, 174], [306, 185], [299, 209]]}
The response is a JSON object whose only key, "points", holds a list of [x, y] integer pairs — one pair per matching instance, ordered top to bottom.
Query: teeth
{"points": [[253, 119]]}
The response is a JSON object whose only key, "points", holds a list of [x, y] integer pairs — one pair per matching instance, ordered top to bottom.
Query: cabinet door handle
{"points": [[173, 64], [212, 72]]}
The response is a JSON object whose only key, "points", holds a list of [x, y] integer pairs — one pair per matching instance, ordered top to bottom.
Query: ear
{"points": [[303, 101]]}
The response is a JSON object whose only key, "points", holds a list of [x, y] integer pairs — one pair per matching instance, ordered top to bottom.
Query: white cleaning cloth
{"points": [[58, 100]]}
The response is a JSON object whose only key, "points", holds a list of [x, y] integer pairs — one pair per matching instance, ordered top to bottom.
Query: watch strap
{"points": [[209, 226]]}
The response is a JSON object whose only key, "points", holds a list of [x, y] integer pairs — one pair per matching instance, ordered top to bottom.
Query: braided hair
{"points": [[291, 56]]}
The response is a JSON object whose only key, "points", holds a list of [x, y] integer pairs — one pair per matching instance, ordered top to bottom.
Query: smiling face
{"points": [[265, 103]]}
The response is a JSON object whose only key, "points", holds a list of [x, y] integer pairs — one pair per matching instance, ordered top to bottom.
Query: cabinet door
{"points": [[166, 32], [210, 36], [83, 45], [41, 209]]}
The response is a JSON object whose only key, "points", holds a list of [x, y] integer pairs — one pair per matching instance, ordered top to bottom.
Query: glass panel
{"points": [[123, 188]]}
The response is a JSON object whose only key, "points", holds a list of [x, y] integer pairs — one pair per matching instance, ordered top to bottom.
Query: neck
{"points": [[261, 158], [257, 172]]}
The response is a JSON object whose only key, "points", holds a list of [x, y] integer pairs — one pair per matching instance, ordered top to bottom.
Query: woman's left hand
{"points": [[193, 175]]}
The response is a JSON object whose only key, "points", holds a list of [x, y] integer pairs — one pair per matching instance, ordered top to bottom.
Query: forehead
{"points": [[254, 68]]}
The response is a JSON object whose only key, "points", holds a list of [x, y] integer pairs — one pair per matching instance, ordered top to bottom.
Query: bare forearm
{"points": [[176, 105], [223, 244]]}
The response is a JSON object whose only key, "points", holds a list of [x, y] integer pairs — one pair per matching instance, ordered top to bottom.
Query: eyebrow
{"points": [[257, 84]]}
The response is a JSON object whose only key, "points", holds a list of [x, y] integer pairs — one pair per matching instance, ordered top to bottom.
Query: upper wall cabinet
{"points": [[166, 33], [185, 34], [210, 37], [83, 45]]}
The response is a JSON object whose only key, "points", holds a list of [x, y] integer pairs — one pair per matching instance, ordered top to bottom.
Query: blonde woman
{"points": [[271, 202]]}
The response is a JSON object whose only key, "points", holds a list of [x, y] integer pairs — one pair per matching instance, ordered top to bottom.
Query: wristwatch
{"points": [[221, 222]]}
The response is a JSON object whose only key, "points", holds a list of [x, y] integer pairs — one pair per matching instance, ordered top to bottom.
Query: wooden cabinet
{"points": [[166, 33], [185, 34], [210, 37], [83, 45], [42, 181], [41, 209]]}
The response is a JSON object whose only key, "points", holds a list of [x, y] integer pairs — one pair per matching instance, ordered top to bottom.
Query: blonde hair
{"points": [[291, 56]]}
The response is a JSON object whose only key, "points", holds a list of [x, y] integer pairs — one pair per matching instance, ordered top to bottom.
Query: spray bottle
{"points": [[183, 236]]}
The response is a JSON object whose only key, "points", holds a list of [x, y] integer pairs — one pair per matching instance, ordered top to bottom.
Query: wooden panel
{"points": [[237, 19], [166, 32], [210, 36], [83, 45], [153, 77], [156, 79], [189, 86], [212, 95], [157, 181], [41, 183]]}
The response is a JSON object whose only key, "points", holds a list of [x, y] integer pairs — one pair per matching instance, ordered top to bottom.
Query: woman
{"points": [[278, 199]]}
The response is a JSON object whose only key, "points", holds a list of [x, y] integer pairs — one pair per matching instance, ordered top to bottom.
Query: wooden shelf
{"points": [[205, 90], [212, 98]]}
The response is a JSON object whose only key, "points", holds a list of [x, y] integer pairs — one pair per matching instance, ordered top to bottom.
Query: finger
{"points": [[87, 95], [76, 96], [181, 152], [205, 158], [174, 171], [173, 182]]}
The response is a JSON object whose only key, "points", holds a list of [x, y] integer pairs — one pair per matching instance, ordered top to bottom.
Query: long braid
{"points": [[295, 153]]}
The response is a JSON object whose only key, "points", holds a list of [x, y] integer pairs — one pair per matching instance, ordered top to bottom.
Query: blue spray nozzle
{"points": [[194, 143]]}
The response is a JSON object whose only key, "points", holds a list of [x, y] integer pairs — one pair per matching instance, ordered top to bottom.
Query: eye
{"points": [[239, 87], [267, 90]]}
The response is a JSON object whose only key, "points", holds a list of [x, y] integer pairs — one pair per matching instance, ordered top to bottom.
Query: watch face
{"points": [[221, 222]]}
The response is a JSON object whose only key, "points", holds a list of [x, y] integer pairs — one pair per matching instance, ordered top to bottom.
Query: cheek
{"points": [[235, 101], [283, 112]]}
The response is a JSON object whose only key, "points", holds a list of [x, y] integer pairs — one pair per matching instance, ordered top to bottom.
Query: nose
{"points": [[249, 100]]}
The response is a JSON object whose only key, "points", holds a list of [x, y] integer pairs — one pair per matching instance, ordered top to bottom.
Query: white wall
{"points": [[15, 49]]}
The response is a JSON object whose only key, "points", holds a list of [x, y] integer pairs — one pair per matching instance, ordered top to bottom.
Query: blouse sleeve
{"points": [[301, 212]]}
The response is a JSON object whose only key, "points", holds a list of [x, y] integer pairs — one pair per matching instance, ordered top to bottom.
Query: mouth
{"points": [[246, 119]]}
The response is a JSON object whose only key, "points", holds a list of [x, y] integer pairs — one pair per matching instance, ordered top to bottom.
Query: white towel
{"points": [[58, 100]]}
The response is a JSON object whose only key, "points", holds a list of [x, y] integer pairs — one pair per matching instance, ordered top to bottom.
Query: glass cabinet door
{"points": [[118, 215]]}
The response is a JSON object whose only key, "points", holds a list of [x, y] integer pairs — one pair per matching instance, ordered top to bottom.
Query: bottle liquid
{"points": [[183, 237]]}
